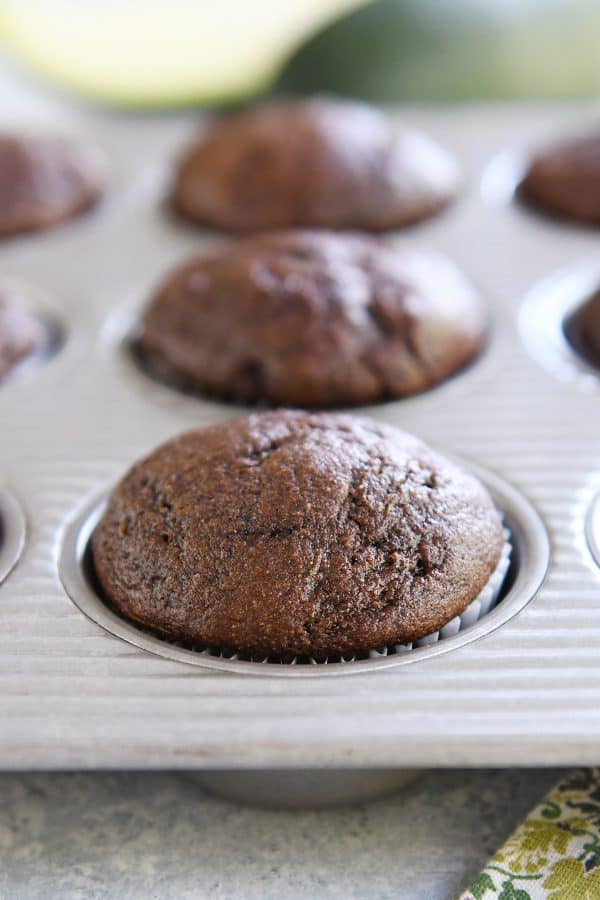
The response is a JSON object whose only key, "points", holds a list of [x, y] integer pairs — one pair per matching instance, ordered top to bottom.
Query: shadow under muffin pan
{"points": [[542, 318], [521, 575], [81, 687]]}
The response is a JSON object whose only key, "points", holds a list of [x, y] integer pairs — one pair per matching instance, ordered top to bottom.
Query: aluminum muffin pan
{"points": [[81, 689]]}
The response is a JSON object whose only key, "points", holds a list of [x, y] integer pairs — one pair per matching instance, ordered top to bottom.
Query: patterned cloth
{"points": [[555, 853]]}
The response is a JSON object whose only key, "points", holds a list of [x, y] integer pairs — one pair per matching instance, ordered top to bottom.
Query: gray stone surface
{"points": [[157, 835]]}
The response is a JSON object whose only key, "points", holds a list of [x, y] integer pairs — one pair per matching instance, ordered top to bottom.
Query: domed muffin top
{"points": [[312, 163], [44, 180], [564, 180], [308, 318], [296, 534]]}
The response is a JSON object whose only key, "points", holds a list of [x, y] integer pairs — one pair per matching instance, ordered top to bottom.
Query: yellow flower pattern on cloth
{"points": [[555, 853]]}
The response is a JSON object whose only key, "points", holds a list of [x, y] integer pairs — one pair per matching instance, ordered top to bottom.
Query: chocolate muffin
{"points": [[321, 162], [44, 180], [564, 181], [308, 318], [582, 329], [22, 332], [291, 534]]}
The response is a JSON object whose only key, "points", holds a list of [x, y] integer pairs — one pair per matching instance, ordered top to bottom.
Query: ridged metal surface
{"points": [[72, 695]]}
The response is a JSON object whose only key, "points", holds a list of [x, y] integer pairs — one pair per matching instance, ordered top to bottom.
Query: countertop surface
{"points": [[157, 835]]}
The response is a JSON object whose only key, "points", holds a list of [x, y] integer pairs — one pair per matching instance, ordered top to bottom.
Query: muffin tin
{"points": [[79, 687]]}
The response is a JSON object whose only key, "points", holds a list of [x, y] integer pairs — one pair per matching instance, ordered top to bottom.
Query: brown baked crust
{"points": [[312, 163], [44, 180], [564, 181], [312, 319], [582, 329], [22, 332], [296, 534]]}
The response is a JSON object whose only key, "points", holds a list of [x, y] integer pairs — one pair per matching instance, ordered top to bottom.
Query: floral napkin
{"points": [[555, 853]]}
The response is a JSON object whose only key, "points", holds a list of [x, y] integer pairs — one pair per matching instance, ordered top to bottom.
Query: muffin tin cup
{"points": [[502, 176], [47, 313], [541, 322], [592, 529], [12, 532], [526, 551]]}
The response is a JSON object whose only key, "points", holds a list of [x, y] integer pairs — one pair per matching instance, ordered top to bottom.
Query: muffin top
{"points": [[324, 163], [44, 180], [564, 180], [308, 318], [582, 329], [22, 332], [288, 533]]}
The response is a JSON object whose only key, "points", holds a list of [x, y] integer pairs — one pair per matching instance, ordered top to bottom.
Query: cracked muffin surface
{"points": [[312, 163], [45, 180], [564, 180], [312, 319], [22, 332], [289, 533]]}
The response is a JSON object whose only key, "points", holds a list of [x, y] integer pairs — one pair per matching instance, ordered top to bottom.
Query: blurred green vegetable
{"points": [[451, 49]]}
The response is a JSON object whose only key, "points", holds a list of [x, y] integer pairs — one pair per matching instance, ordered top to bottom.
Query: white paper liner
{"points": [[479, 607]]}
